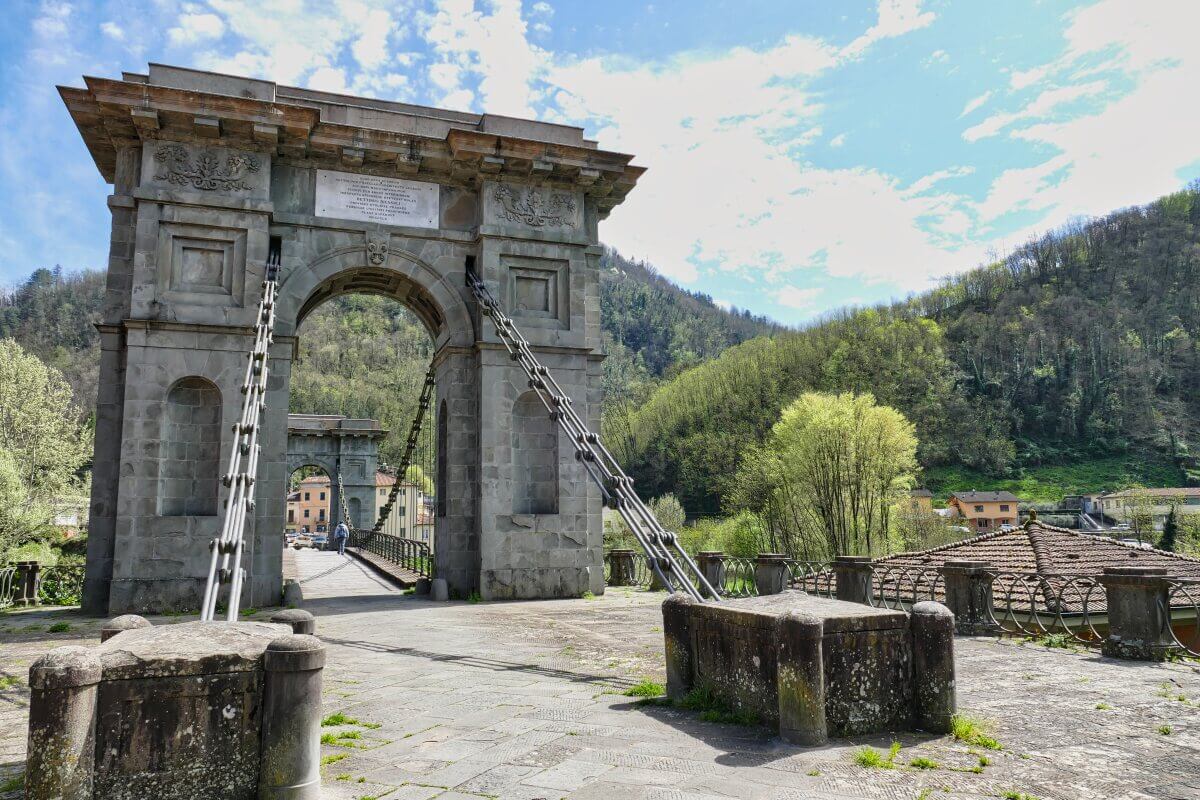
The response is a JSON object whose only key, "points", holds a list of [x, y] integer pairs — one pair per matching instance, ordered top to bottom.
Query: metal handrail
{"points": [[408, 553], [670, 562], [60, 585], [8, 587], [899, 587], [1182, 593], [1036, 605]]}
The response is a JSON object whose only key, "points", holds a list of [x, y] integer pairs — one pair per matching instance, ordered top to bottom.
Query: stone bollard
{"points": [[712, 567], [621, 568], [770, 573], [28, 574], [853, 576], [656, 583], [421, 586], [968, 586], [439, 590], [293, 595], [1137, 599], [299, 620], [125, 622], [932, 630], [677, 641], [800, 680], [62, 725], [290, 760]]}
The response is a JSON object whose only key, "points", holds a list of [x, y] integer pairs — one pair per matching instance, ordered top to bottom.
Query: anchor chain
{"points": [[410, 447], [670, 562], [225, 567]]}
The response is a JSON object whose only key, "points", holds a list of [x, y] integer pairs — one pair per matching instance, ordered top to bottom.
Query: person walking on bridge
{"points": [[340, 534]]}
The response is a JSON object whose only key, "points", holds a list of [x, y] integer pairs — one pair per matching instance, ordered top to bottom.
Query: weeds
{"points": [[587, 596], [474, 597], [59, 627], [9, 681], [645, 688], [1103, 707], [713, 709], [338, 718], [1165, 730], [974, 732], [332, 758], [870, 758], [921, 762], [13, 783], [1012, 794]]}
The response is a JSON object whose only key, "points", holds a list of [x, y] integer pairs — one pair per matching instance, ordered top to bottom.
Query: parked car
{"points": [[302, 540], [320, 541]]}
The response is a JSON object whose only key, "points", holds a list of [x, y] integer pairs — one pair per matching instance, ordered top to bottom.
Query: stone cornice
{"points": [[113, 114]]}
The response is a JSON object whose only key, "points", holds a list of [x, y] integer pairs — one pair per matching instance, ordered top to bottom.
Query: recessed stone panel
{"points": [[202, 265], [538, 291]]}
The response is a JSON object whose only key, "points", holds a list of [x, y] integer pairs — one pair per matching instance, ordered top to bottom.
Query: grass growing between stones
{"points": [[59, 627], [9, 681], [645, 688], [338, 718], [974, 732], [332, 758], [870, 758], [921, 762], [12, 784], [1013, 794]]}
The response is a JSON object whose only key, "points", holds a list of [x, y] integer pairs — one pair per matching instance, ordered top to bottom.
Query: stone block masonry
{"points": [[213, 174], [814, 667], [197, 711]]}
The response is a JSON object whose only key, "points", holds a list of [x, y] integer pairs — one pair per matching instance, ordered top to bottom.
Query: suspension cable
{"points": [[410, 447], [345, 506], [666, 557], [225, 566]]}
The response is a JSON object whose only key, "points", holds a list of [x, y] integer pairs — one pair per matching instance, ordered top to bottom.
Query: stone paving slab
{"points": [[522, 701]]}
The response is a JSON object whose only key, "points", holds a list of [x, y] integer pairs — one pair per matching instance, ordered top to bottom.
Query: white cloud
{"points": [[896, 18], [51, 21], [193, 28], [112, 30], [975, 103], [838, 140], [1129, 147], [799, 299]]}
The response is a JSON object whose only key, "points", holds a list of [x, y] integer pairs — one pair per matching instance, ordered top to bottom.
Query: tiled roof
{"points": [[921, 493], [986, 497], [1047, 550]]}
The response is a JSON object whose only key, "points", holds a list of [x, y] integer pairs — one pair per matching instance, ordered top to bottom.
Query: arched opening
{"points": [[363, 355], [534, 446], [189, 465], [309, 517]]}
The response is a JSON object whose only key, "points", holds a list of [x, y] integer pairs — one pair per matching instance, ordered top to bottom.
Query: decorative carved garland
{"points": [[207, 173], [531, 209]]}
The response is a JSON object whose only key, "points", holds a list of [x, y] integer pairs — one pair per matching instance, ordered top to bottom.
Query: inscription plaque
{"points": [[373, 198]]}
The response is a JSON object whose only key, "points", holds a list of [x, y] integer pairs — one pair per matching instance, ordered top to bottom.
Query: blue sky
{"points": [[802, 155]]}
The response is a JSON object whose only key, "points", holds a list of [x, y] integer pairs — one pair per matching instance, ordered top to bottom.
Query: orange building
{"points": [[920, 501], [308, 506], [985, 511]]}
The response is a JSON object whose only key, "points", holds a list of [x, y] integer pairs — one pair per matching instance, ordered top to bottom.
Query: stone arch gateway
{"points": [[214, 174]]}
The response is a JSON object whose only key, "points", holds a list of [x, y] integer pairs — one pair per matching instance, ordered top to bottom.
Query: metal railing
{"points": [[407, 553], [8, 585], [60, 585], [900, 587], [1183, 604], [1048, 606]]}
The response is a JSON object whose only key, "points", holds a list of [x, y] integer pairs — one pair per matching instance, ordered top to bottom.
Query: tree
{"points": [[42, 446], [835, 465], [668, 511], [1170, 533]]}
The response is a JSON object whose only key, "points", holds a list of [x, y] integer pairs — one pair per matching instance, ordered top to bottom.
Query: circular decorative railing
{"points": [[900, 587], [1041, 606], [1181, 614]]}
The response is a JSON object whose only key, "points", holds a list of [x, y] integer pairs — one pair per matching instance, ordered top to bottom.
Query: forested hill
{"points": [[1079, 346], [365, 356]]}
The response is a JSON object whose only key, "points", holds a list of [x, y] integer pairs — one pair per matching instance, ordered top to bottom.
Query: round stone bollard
{"points": [[621, 568], [770, 573], [421, 586], [439, 590], [293, 595], [298, 619], [125, 622], [932, 630], [800, 680], [62, 728], [290, 760]]}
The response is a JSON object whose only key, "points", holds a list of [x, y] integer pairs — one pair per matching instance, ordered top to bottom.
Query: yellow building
{"points": [[920, 501], [1122, 505], [985, 511], [412, 516]]}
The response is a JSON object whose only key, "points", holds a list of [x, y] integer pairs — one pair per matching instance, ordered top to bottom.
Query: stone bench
{"points": [[815, 667], [194, 711]]}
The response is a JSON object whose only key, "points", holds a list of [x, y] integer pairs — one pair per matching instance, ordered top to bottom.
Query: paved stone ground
{"points": [[522, 701]]}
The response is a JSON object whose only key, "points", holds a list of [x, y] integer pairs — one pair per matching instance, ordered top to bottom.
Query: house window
{"points": [[307, 497], [322, 497], [1004, 507], [978, 509], [306, 513], [321, 514], [291, 515], [983, 523]]}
